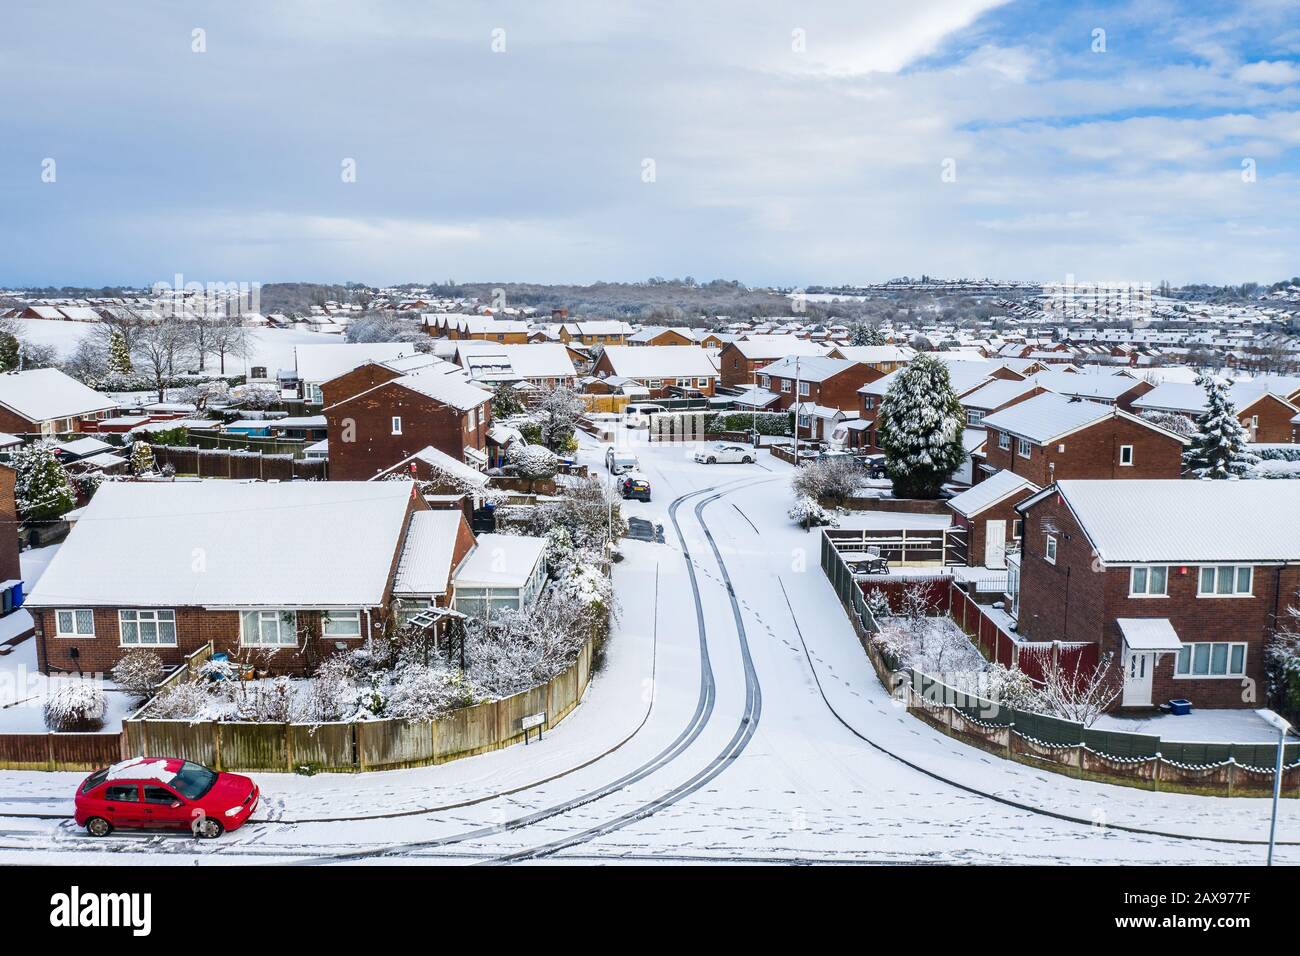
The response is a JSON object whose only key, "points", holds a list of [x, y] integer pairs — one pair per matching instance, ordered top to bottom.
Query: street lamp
{"points": [[1277, 722]]}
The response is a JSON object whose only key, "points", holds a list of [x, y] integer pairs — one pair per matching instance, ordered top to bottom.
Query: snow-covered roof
{"points": [[759, 347], [873, 354], [491, 361], [660, 361], [320, 363], [807, 368], [962, 375], [1109, 387], [454, 392], [996, 392], [42, 394], [755, 397], [1191, 399], [1047, 416], [7, 440], [81, 447], [442, 462], [990, 491], [1179, 520], [230, 544], [502, 560], [425, 565], [1149, 633]]}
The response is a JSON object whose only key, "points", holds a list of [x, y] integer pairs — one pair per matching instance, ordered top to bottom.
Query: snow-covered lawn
{"points": [[24, 689], [1200, 726]]}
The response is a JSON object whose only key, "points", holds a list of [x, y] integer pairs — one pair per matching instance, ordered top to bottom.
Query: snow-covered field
{"points": [[737, 719]]}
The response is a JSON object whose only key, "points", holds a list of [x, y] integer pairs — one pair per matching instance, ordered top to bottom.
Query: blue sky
{"points": [[792, 143]]}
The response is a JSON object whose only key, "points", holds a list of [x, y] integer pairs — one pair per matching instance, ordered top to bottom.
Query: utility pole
{"points": [[797, 402]]}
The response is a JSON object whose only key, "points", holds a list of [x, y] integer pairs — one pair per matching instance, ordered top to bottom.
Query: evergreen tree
{"points": [[860, 333], [10, 352], [119, 356], [505, 401], [920, 427], [1218, 448], [141, 458], [41, 486]]}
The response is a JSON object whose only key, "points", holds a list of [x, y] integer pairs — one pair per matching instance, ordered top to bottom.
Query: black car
{"points": [[635, 487]]}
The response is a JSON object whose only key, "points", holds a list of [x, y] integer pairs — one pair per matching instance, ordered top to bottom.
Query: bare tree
{"points": [[227, 336], [157, 347], [1079, 694]]}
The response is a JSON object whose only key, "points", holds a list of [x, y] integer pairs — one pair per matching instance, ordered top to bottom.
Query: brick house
{"points": [[466, 328], [598, 332], [659, 335], [883, 358], [739, 361], [314, 365], [544, 366], [676, 370], [817, 380], [1121, 389], [995, 395], [45, 401], [1266, 415], [378, 416], [1050, 438], [988, 513], [10, 567], [277, 573], [1181, 581]]}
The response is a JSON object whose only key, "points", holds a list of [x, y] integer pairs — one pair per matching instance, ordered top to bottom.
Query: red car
{"points": [[164, 794]]}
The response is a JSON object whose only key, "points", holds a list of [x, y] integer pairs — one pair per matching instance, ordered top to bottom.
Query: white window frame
{"points": [[701, 383], [785, 385], [805, 388], [312, 394], [974, 416], [471, 419], [397, 424], [1004, 441], [1024, 448], [1129, 450], [1049, 548], [1147, 574], [1235, 582], [264, 614], [341, 616], [141, 617], [58, 628], [1185, 661]]}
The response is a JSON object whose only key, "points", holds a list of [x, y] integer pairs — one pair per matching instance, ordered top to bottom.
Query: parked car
{"points": [[638, 415], [725, 452], [618, 461], [635, 486], [164, 793]]}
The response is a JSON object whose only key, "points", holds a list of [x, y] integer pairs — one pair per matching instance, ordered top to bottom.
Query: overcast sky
{"points": [[577, 141]]}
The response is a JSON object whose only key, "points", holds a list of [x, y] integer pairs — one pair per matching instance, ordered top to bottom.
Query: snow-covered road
{"points": [[736, 719]]}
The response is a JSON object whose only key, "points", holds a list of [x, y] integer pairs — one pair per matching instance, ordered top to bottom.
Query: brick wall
{"points": [[1274, 420], [1092, 452], [9, 564]]}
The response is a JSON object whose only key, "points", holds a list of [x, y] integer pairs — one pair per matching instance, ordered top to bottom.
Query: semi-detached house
{"points": [[664, 370], [46, 401], [1265, 414], [1182, 582]]}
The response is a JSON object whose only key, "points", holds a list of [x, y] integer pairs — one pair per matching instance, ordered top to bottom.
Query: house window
{"points": [[258, 371], [765, 381], [656, 383], [683, 383], [702, 383], [785, 385], [804, 388], [312, 394], [868, 403], [974, 416], [470, 421], [397, 424], [1004, 441], [1022, 447], [1126, 454], [1017, 528], [1049, 549], [1225, 580], [1148, 581], [79, 623], [342, 623], [147, 628], [271, 628], [1211, 659]]}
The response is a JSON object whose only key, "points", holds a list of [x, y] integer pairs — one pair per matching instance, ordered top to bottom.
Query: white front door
{"points": [[995, 544], [1138, 667]]}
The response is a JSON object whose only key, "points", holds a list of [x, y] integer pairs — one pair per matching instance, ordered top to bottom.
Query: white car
{"points": [[638, 415], [724, 452], [618, 461]]}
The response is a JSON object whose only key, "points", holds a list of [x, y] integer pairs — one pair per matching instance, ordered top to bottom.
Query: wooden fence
{"points": [[233, 463], [361, 745]]}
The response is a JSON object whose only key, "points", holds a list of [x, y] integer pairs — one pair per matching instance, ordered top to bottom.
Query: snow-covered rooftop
{"points": [[660, 361], [320, 363], [807, 368], [42, 394], [1047, 416], [990, 491], [1179, 520], [230, 543], [503, 560], [425, 566]]}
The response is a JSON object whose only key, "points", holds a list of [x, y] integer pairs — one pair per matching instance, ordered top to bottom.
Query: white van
{"points": [[638, 415]]}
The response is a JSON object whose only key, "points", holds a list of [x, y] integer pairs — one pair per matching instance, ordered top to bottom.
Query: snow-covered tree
{"points": [[862, 333], [11, 352], [119, 354], [203, 394], [258, 396], [505, 401], [559, 412], [1175, 422], [920, 428], [1218, 448], [142, 461], [533, 461], [827, 480], [41, 487], [807, 513], [514, 650], [138, 672], [188, 700], [75, 704]]}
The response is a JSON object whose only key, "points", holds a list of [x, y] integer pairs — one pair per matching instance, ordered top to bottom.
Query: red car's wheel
{"points": [[98, 827], [209, 829]]}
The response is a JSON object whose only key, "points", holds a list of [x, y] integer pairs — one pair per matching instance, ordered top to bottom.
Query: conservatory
{"points": [[503, 572]]}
